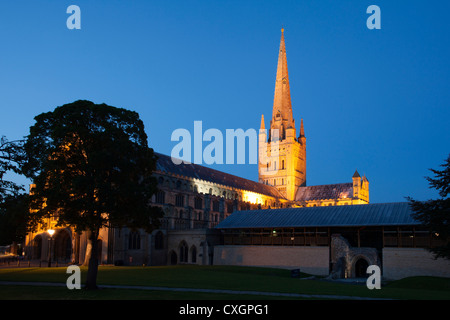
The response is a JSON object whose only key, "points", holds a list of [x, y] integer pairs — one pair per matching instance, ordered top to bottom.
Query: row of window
{"points": [[268, 165], [283, 182], [193, 188], [198, 202], [411, 237], [134, 240], [134, 243]]}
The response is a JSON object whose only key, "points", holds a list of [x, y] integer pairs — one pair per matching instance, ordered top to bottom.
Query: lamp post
{"points": [[50, 232]]}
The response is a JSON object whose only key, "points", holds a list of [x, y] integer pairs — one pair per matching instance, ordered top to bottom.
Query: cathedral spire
{"points": [[282, 108], [263, 126]]}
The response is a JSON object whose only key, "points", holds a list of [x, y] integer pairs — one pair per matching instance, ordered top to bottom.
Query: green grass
{"points": [[208, 277]]}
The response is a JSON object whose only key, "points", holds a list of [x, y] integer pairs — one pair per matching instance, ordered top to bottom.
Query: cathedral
{"points": [[195, 199]]}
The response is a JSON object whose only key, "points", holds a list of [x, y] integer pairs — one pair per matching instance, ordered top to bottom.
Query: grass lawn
{"points": [[207, 277]]}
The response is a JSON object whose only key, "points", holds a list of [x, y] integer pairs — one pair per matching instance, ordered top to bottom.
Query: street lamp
{"points": [[50, 232]]}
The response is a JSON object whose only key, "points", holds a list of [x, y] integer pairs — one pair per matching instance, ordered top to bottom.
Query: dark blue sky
{"points": [[372, 100]]}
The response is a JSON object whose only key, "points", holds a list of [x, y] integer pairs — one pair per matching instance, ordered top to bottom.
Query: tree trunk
{"points": [[88, 253], [91, 280]]}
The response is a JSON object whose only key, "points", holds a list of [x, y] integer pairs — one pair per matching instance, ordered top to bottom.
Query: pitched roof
{"points": [[165, 165], [326, 191], [379, 214]]}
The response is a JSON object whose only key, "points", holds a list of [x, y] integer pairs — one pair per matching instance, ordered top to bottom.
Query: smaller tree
{"points": [[11, 159], [14, 214], [435, 214]]}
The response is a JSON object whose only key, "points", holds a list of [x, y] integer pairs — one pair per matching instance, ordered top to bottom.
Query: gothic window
{"points": [[282, 164], [274, 165], [161, 197], [179, 200], [198, 204], [216, 206], [229, 208], [134, 240], [183, 252]]}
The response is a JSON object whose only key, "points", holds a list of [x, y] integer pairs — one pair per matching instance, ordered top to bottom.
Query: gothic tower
{"points": [[282, 155]]}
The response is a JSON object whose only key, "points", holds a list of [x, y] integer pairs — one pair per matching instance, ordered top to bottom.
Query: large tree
{"points": [[92, 168], [435, 214]]}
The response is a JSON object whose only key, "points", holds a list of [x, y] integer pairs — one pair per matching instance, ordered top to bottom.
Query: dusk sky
{"points": [[373, 100]]}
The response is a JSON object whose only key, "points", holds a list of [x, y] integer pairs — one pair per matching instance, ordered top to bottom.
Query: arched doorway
{"points": [[63, 246], [173, 258], [361, 266]]}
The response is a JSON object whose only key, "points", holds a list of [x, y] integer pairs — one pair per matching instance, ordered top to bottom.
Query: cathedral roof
{"points": [[191, 170], [326, 191], [378, 214]]}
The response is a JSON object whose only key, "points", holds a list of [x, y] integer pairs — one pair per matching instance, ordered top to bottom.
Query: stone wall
{"points": [[200, 240], [344, 257], [313, 260], [400, 263]]}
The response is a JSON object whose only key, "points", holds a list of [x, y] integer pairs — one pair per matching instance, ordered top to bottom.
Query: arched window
{"points": [[161, 197], [179, 200], [198, 203], [216, 205], [134, 240], [183, 252]]}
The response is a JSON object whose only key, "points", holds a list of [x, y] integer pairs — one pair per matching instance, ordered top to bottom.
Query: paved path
{"points": [[256, 293]]}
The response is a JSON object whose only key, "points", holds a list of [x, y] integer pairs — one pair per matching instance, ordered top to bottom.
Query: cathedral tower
{"points": [[282, 155]]}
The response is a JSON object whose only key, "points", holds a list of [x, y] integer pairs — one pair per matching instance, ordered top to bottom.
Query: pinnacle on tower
{"points": [[263, 126], [302, 129]]}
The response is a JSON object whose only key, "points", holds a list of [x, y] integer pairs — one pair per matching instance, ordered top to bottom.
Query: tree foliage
{"points": [[11, 160], [92, 168], [14, 214], [435, 214]]}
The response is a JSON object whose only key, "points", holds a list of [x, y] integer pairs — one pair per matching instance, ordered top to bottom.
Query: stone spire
{"points": [[282, 109], [263, 126], [302, 129]]}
